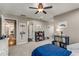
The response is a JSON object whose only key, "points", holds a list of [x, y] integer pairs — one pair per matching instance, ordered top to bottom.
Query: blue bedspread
{"points": [[50, 50]]}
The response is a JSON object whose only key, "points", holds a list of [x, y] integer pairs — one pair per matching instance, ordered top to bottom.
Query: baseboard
{"points": [[19, 43]]}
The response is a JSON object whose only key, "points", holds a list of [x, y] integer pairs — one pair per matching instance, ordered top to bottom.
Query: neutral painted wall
{"points": [[37, 25], [0, 26], [47, 27], [72, 29]]}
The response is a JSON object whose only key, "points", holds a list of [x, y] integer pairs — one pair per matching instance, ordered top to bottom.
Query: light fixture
{"points": [[40, 10]]}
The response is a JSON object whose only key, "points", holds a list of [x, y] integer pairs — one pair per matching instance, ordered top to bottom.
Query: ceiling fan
{"points": [[40, 8]]}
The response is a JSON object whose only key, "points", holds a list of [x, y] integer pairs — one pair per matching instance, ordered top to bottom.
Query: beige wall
{"points": [[37, 25], [0, 26], [47, 27], [72, 29]]}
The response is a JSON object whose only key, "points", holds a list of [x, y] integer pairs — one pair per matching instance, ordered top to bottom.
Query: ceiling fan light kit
{"points": [[40, 8]]}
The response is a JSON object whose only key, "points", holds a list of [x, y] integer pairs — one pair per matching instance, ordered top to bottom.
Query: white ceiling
{"points": [[23, 8]]}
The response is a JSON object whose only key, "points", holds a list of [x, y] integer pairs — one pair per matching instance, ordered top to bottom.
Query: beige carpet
{"points": [[26, 49]]}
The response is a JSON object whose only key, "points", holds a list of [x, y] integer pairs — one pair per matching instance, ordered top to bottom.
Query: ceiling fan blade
{"points": [[33, 7], [48, 7], [36, 12], [44, 12]]}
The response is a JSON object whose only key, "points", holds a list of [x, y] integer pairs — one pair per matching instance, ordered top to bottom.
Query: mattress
{"points": [[50, 50]]}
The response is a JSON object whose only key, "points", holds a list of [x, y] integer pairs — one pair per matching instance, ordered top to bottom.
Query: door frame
{"points": [[15, 25]]}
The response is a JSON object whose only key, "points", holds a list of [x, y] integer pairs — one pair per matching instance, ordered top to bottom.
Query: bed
{"points": [[74, 48], [50, 50]]}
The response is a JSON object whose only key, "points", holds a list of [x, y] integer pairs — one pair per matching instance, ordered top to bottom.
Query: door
{"points": [[11, 31], [30, 31]]}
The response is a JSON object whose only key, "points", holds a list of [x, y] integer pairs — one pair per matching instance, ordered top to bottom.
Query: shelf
{"points": [[39, 36]]}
